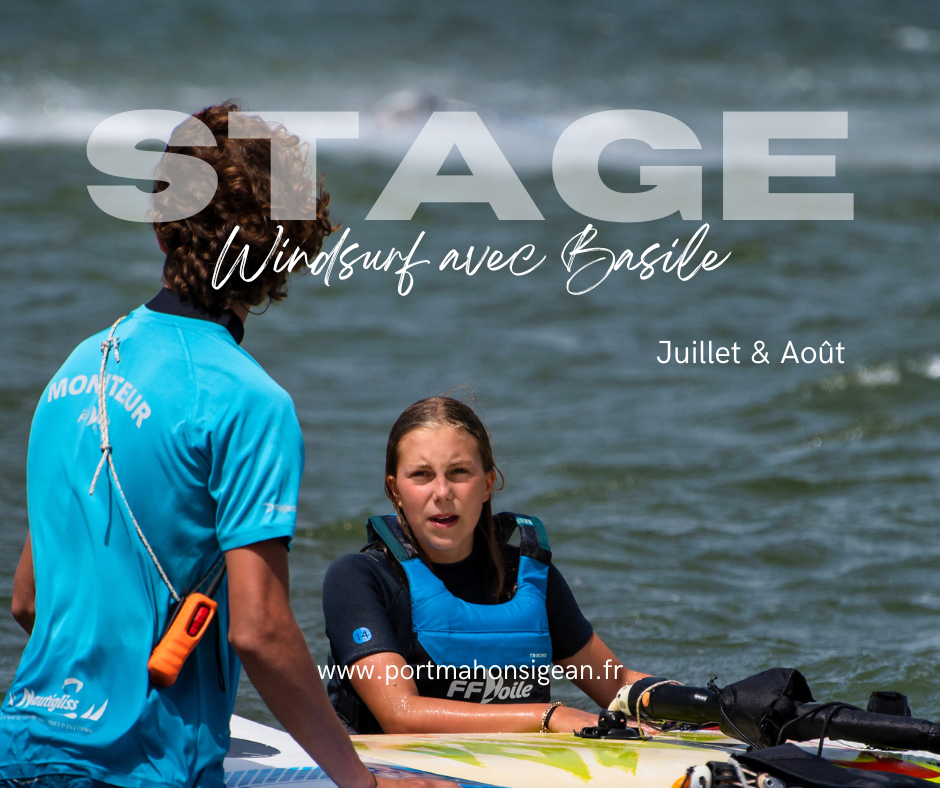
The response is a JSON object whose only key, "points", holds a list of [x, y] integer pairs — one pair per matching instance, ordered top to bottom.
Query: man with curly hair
{"points": [[196, 453]]}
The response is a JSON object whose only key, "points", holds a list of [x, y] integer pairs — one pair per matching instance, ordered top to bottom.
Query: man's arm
{"points": [[24, 590], [267, 639], [272, 648]]}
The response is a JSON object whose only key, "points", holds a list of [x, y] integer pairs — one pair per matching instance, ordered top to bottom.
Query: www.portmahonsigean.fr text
{"points": [[541, 673]]}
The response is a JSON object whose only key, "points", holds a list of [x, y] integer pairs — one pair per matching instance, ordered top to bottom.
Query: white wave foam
{"points": [[33, 128], [899, 138], [929, 367], [882, 375]]}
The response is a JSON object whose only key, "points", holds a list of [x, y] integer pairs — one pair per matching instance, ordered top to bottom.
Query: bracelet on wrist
{"points": [[547, 715]]}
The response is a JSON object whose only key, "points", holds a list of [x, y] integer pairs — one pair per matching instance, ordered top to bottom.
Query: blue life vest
{"points": [[502, 653]]}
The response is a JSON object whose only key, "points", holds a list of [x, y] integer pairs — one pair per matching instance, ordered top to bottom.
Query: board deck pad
{"points": [[263, 756]]}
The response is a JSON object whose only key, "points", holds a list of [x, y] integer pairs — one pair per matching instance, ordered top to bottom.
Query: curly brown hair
{"points": [[242, 197]]}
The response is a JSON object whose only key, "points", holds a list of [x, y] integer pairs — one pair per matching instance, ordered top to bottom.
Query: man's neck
{"points": [[168, 301], [242, 311]]}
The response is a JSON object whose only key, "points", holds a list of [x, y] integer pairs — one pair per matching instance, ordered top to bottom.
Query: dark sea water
{"points": [[710, 519]]}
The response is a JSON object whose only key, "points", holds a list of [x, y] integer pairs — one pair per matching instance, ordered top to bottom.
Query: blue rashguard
{"points": [[209, 453]]}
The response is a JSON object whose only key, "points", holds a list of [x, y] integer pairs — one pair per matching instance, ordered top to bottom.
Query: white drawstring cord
{"points": [[106, 347], [639, 703]]}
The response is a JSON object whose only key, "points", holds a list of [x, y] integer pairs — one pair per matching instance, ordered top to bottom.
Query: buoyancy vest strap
{"points": [[389, 531], [532, 531], [533, 538]]}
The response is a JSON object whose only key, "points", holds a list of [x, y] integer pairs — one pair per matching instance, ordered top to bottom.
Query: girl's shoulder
{"points": [[369, 569], [366, 609]]}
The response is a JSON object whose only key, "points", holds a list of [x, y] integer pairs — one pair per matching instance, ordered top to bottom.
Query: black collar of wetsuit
{"points": [[169, 303], [464, 578]]}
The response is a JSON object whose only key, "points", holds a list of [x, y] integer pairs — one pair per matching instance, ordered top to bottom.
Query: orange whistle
{"points": [[183, 635]]}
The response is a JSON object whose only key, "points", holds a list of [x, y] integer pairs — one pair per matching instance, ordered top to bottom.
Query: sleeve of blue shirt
{"points": [[257, 460]]}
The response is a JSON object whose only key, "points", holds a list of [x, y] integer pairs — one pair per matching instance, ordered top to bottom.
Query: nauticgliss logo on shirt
{"points": [[279, 507], [63, 704]]}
